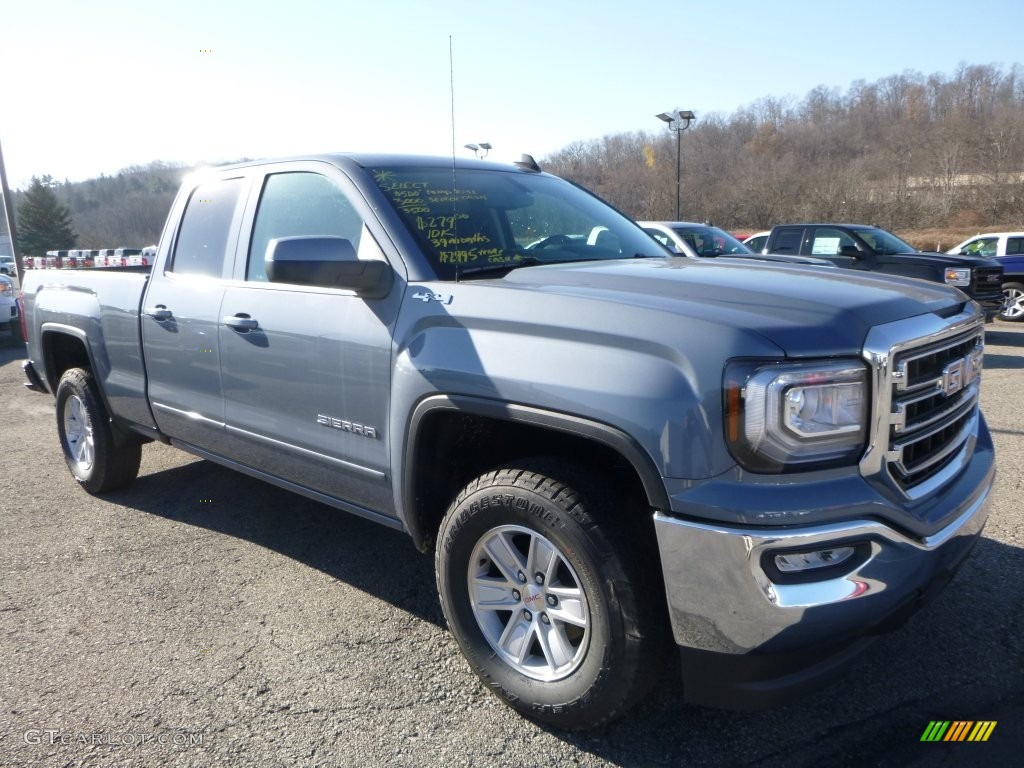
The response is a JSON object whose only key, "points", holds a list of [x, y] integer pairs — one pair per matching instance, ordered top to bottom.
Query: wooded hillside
{"points": [[906, 152]]}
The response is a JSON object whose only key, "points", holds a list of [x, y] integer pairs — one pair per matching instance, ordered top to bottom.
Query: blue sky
{"points": [[96, 86]]}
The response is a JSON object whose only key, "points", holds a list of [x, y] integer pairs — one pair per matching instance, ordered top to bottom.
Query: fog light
{"points": [[799, 562]]}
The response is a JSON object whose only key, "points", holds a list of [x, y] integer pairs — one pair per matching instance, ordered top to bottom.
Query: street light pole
{"points": [[678, 122], [483, 146]]}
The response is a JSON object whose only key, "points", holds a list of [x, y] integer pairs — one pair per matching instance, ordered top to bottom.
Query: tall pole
{"points": [[678, 122], [679, 166], [9, 215]]}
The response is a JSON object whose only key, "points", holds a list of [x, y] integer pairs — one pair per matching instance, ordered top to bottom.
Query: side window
{"points": [[300, 203], [206, 228], [661, 237], [788, 241], [829, 242], [981, 246], [1014, 246]]}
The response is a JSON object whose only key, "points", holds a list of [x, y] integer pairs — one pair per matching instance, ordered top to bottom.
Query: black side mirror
{"points": [[849, 250], [326, 262]]}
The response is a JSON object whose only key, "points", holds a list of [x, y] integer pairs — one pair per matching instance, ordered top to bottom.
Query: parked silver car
{"points": [[694, 240]]}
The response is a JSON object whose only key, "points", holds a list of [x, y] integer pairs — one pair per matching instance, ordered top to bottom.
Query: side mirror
{"points": [[849, 250], [326, 262]]}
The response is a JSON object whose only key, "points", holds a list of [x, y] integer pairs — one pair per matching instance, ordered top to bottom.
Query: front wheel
{"points": [[1013, 303], [98, 462], [555, 613]]}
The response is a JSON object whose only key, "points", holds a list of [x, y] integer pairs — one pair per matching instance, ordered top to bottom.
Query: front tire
{"points": [[1013, 303], [97, 461], [550, 599]]}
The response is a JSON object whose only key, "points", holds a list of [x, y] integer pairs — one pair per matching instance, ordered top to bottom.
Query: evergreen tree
{"points": [[44, 223]]}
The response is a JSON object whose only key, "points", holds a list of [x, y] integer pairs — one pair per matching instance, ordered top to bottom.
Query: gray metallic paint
{"points": [[630, 353]]}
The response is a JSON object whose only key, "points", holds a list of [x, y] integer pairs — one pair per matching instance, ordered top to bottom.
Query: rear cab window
{"points": [[788, 241], [200, 247]]}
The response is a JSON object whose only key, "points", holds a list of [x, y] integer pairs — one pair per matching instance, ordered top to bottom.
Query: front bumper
{"points": [[991, 305], [752, 637]]}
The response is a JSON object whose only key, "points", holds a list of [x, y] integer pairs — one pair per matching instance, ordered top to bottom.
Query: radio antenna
{"points": [[451, 87], [455, 184]]}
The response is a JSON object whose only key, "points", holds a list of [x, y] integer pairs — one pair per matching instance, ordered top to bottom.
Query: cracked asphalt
{"points": [[203, 618]]}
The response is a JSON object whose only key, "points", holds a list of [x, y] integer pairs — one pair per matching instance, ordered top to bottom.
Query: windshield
{"points": [[492, 218], [709, 241], [884, 243]]}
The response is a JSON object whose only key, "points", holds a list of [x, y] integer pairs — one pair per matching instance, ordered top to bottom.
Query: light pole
{"points": [[678, 122], [477, 148]]}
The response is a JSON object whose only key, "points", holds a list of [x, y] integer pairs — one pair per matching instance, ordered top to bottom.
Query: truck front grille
{"points": [[987, 280], [929, 387]]}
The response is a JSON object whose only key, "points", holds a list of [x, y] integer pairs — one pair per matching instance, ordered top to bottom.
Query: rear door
{"points": [[181, 315], [307, 390]]}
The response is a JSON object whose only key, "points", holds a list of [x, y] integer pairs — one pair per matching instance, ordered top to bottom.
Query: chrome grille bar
{"points": [[926, 373]]}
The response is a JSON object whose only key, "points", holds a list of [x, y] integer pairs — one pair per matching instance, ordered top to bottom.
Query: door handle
{"points": [[159, 312], [241, 322]]}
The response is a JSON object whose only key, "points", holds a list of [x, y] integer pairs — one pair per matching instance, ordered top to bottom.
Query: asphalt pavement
{"points": [[202, 618]]}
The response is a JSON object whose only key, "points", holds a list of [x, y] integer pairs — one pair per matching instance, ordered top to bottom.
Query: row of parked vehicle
{"points": [[104, 257], [987, 267]]}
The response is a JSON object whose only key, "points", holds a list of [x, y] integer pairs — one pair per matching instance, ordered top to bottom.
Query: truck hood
{"points": [[930, 258], [806, 311]]}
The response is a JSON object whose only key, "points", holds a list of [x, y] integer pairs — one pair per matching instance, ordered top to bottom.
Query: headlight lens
{"points": [[958, 276], [793, 416]]}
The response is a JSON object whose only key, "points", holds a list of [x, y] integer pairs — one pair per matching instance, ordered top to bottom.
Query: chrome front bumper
{"points": [[721, 597]]}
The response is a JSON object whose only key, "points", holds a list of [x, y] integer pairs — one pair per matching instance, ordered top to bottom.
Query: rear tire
{"points": [[1013, 303], [97, 461], [551, 599]]}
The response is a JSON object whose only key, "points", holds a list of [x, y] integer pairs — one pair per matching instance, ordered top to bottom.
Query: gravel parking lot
{"points": [[203, 618]]}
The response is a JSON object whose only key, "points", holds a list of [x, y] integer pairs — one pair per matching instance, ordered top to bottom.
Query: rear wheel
{"points": [[1013, 302], [98, 462], [550, 599]]}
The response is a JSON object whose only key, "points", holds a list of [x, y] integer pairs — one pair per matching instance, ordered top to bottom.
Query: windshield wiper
{"points": [[528, 259], [523, 261]]}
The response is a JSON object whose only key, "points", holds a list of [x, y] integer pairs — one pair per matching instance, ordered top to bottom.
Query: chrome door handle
{"points": [[159, 312], [241, 322]]}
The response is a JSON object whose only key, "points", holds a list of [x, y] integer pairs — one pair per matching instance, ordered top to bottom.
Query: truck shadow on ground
{"points": [[1007, 337], [341, 545], [958, 658]]}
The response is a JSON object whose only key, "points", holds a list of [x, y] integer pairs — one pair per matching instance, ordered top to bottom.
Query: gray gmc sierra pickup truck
{"points": [[607, 448]]}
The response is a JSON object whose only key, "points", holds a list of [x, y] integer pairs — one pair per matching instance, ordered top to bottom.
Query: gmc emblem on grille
{"points": [[959, 373], [953, 377]]}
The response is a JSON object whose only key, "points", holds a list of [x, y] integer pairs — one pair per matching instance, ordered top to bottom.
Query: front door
{"points": [[307, 378]]}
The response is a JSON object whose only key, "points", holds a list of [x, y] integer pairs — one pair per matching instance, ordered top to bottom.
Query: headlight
{"points": [[958, 276], [791, 416]]}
